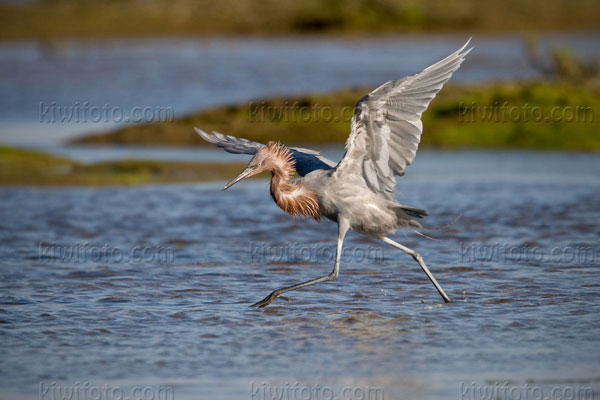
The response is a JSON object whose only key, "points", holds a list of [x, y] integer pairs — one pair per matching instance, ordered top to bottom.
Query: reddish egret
{"points": [[357, 192]]}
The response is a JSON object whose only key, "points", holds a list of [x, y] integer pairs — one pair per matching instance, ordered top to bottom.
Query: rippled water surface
{"points": [[530, 315]]}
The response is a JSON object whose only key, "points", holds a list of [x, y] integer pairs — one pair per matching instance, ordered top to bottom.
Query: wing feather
{"points": [[386, 126], [306, 160]]}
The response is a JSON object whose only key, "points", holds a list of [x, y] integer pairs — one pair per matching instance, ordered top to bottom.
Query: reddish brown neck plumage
{"points": [[291, 197]]}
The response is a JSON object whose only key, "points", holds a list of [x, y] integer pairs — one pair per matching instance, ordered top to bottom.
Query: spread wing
{"points": [[386, 126], [306, 160]]}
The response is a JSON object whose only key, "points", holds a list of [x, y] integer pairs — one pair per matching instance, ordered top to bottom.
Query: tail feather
{"points": [[410, 211], [414, 212], [406, 214]]}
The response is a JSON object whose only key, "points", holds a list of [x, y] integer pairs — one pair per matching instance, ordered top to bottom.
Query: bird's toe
{"points": [[265, 302]]}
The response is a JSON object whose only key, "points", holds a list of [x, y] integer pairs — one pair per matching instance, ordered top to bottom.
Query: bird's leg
{"points": [[342, 229], [419, 259]]}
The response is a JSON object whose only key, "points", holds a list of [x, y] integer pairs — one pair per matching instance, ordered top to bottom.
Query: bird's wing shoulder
{"points": [[386, 126], [305, 160]]}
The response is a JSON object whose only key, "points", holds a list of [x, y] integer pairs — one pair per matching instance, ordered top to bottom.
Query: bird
{"points": [[357, 193]]}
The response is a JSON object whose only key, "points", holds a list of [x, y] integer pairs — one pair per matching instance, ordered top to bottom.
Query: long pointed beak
{"points": [[245, 173]]}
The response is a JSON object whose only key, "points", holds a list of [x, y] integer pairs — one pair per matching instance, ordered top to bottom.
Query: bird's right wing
{"points": [[386, 126], [305, 160]]}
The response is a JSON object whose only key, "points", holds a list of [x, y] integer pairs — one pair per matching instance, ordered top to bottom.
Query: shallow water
{"points": [[184, 322]]}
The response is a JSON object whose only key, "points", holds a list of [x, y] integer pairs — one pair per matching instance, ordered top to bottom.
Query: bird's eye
{"points": [[258, 165]]}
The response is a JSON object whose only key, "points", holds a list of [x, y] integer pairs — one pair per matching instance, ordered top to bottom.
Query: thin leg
{"points": [[342, 229], [419, 259]]}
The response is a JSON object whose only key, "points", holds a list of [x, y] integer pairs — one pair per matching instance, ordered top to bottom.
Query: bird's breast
{"points": [[297, 199]]}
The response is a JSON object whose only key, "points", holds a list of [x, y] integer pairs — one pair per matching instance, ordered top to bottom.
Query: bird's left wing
{"points": [[387, 127], [230, 144], [306, 160]]}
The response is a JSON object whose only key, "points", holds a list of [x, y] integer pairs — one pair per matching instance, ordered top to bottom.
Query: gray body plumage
{"points": [[366, 211]]}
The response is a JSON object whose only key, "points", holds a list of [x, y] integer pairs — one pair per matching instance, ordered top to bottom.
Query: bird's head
{"points": [[263, 160]]}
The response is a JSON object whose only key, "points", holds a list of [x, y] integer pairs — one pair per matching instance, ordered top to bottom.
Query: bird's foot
{"points": [[269, 299], [266, 301]]}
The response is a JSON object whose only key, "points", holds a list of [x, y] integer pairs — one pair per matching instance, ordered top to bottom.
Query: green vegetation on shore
{"points": [[47, 19], [530, 115], [26, 167]]}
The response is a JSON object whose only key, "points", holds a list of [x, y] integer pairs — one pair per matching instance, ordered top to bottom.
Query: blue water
{"points": [[184, 75], [526, 314]]}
